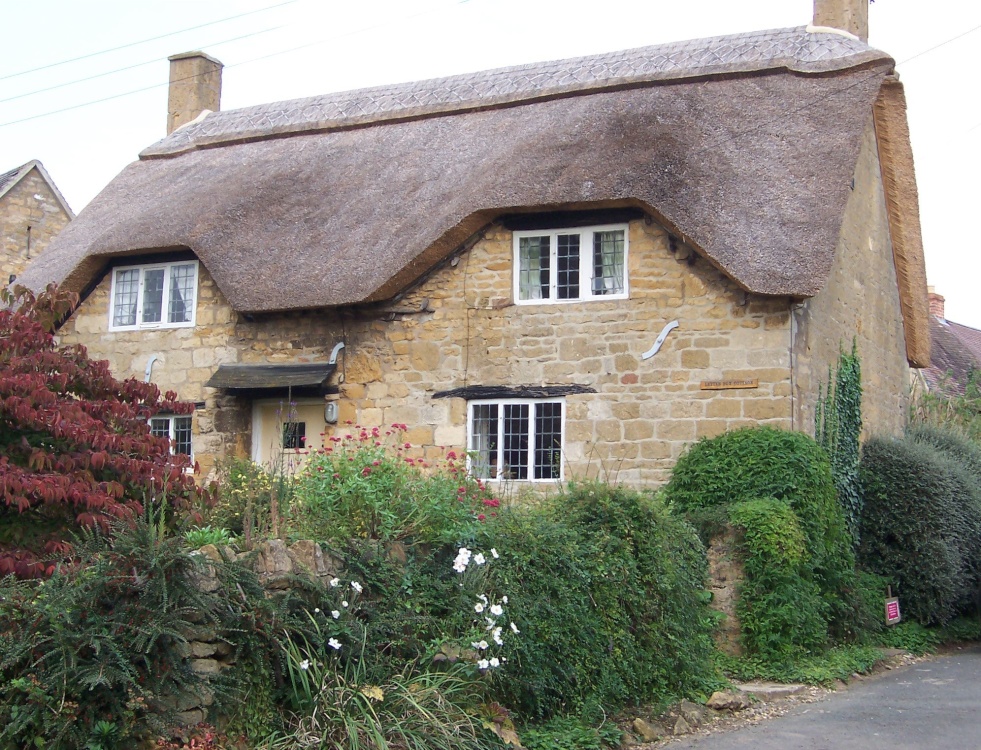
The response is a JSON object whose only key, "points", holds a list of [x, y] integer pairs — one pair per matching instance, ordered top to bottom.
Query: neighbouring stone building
{"points": [[32, 212], [566, 269], [955, 352]]}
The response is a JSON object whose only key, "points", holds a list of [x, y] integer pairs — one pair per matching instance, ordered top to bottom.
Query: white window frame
{"points": [[586, 278], [164, 311], [172, 431], [499, 474]]}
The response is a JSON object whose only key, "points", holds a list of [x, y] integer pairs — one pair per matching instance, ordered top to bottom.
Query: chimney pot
{"points": [[848, 15], [195, 85]]}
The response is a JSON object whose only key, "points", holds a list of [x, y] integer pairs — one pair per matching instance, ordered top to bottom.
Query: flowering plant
{"points": [[371, 484]]}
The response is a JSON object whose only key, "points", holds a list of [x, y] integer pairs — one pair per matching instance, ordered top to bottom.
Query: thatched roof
{"points": [[744, 145], [903, 208]]}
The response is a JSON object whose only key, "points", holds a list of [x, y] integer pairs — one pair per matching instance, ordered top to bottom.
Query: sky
{"points": [[83, 83]]}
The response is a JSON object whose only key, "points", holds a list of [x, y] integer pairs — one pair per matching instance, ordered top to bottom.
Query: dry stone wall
{"points": [[208, 651]]}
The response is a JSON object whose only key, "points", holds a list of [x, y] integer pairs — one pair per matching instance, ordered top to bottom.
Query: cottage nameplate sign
{"points": [[724, 385]]}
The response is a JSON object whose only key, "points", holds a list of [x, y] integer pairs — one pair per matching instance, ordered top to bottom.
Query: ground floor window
{"points": [[177, 429], [516, 439]]}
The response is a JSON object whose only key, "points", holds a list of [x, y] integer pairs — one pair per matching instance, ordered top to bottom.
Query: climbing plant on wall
{"points": [[837, 426]]}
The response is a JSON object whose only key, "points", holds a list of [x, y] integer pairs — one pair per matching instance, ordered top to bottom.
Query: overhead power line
{"points": [[144, 41], [243, 62], [129, 67]]}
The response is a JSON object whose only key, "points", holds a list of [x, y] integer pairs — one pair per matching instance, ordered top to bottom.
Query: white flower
{"points": [[494, 553], [479, 559], [462, 560], [335, 582], [357, 586], [482, 598], [504, 599], [344, 604], [478, 608], [316, 610], [497, 610], [335, 614], [515, 628], [497, 637], [334, 644], [483, 645], [495, 662], [305, 664], [483, 664]]}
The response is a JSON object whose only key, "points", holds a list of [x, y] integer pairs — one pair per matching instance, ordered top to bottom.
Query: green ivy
{"points": [[837, 428]]}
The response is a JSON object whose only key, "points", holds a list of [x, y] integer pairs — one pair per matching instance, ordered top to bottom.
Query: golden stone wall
{"points": [[20, 209], [860, 300], [459, 327]]}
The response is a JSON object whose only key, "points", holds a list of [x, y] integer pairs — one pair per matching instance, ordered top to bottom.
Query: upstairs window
{"points": [[567, 265], [153, 296], [177, 429], [516, 439]]}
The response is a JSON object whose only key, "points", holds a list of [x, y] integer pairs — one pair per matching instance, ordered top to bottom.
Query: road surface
{"points": [[930, 705]]}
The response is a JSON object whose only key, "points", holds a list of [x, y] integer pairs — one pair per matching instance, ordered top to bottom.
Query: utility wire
{"points": [[144, 41], [234, 65], [130, 67]]}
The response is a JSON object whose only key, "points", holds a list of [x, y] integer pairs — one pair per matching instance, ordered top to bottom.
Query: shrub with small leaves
{"points": [[791, 468], [920, 525]]}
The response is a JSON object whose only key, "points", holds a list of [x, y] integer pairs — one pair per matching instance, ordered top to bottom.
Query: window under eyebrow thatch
{"points": [[569, 265]]}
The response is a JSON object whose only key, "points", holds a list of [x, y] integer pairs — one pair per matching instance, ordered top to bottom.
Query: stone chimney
{"points": [[848, 15], [195, 85], [936, 303]]}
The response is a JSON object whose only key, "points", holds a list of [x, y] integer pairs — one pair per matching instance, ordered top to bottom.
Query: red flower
{"points": [[451, 455], [366, 471], [492, 502], [481, 517]]}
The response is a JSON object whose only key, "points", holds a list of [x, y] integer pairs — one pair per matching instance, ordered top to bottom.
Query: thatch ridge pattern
{"points": [[793, 49]]}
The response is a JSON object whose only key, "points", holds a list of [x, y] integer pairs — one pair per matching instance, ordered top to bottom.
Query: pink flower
{"points": [[451, 455], [376, 463], [366, 471], [462, 490], [492, 502], [481, 517]]}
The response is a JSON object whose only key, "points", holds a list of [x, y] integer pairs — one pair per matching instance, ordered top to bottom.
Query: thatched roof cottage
{"points": [[490, 258]]}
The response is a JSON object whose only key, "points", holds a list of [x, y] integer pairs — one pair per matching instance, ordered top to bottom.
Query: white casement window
{"points": [[566, 265], [153, 296], [177, 428], [518, 439]]}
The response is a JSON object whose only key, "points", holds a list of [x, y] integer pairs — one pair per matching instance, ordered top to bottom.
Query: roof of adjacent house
{"points": [[743, 145], [9, 179], [955, 353]]}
